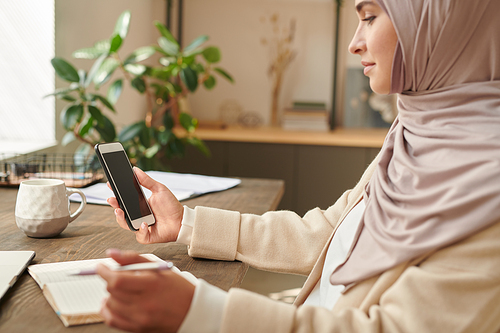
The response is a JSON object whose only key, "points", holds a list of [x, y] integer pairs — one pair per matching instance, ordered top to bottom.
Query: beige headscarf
{"points": [[438, 177]]}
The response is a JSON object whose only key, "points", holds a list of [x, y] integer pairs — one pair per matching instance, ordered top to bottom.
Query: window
{"points": [[27, 120]]}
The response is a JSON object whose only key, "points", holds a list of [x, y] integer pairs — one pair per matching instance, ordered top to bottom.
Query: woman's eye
{"points": [[369, 19]]}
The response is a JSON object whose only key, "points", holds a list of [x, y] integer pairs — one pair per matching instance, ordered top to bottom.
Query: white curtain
{"points": [[26, 75]]}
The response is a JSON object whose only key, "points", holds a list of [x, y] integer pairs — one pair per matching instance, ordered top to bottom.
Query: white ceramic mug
{"points": [[43, 209]]}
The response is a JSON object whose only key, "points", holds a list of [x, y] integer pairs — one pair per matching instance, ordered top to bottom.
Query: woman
{"points": [[412, 248]]}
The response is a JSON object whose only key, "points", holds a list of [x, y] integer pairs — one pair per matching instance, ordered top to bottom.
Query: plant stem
{"points": [[150, 102], [79, 137]]}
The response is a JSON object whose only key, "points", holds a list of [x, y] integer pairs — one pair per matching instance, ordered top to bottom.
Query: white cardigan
{"points": [[454, 289], [205, 312]]}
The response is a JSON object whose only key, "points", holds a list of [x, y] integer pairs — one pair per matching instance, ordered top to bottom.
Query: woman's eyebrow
{"points": [[360, 5]]}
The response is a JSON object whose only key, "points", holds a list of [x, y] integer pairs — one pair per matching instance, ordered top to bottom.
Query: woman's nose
{"points": [[358, 43]]}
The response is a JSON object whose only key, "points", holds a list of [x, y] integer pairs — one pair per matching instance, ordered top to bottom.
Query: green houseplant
{"points": [[151, 141]]}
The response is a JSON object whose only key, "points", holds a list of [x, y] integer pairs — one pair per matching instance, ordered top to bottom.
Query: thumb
{"points": [[145, 180]]}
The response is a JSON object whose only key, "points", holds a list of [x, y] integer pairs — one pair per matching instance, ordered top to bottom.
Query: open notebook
{"points": [[75, 299]]}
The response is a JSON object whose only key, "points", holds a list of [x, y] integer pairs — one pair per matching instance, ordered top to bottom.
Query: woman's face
{"points": [[375, 41]]}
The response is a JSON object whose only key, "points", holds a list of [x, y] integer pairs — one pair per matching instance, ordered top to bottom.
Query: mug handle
{"points": [[69, 192]]}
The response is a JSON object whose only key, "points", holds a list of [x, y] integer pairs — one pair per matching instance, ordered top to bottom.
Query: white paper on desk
{"points": [[182, 185]]}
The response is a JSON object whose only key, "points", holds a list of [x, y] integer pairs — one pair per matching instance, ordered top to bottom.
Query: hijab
{"points": [[437, 180]]}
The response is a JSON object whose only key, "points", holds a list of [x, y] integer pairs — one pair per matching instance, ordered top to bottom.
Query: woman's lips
{"points": [[368, 66]]}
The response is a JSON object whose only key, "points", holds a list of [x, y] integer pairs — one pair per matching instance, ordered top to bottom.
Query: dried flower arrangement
{"points": [[282, 54]]}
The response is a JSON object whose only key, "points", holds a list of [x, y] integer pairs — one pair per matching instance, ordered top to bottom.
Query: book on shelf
{"points": [[308, 105], [305, 119], [321, 126], [76, 299]]}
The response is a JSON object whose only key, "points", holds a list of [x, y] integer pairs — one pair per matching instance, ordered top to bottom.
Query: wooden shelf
{"points": [[369, 138]]}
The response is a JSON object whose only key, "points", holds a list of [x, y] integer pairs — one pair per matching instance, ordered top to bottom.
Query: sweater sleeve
{"points": [[273, 241], [279, 241], [456, 289]]}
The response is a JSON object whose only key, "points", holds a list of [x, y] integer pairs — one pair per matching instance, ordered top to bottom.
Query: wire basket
{"points": [[76, 170]]}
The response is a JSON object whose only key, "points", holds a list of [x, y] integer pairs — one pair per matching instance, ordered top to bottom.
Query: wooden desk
{"points": [[24, 309]]}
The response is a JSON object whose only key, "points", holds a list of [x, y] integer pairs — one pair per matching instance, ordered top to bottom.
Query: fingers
{"points": [[146, 181], [113, 202], [120, 216], [143, 235], [125, 257], [124, 282], [115, 318]]}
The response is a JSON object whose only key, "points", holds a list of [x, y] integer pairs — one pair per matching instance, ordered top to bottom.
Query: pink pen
{"points": [[144, 266]]}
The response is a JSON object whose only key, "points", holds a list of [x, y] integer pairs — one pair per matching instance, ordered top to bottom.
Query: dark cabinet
{"points": [[315, 176]]}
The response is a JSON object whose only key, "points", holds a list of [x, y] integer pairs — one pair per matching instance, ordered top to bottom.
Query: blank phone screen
{"points": [[126, 184]]}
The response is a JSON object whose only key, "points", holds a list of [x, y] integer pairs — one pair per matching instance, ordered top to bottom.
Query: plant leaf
{"points": [[122, 24], [165, 32], [115, 42], [195, 43], [101, 47], [169, 47], [86, 53], [193, 53], [140, 54], [211, 54], [167, 61], [189, 61], [199, 68], [135, 69], [65, 70], [93, 70], [175, 70], [105, 71], [162, 73], [81, 74], [224, 74], [190, 78], [210, 82], [139, 84], [170, 88], [62, 91], [115, 91], [67, 98], [104, 101], [96, 114], [71, 115], [168, 121], [188, 122], [86, 128], [107, 131], [131, 131], [164, 136], [145, 137], [67, 138], [200, 145], [175, 148], [81, 150], [151, 151]]}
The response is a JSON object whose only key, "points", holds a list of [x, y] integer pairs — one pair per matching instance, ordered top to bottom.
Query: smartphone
{"points": [[124, 183]]}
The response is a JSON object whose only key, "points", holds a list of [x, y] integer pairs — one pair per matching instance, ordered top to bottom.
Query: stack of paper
{"points": [[182, 185]]}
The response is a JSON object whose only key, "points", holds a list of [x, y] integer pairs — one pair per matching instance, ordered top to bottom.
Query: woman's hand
{"points": [[166, 208], [144, 301]]}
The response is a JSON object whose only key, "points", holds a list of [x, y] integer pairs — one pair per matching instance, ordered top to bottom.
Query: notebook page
{"points": [[59, 271], [78, 297]]}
